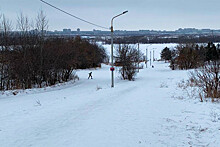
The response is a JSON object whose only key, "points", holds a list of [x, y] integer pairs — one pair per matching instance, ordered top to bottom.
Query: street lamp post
{"points": [[147, 54], [138, 55], [153, 56], [146, 58], [112, 64]]}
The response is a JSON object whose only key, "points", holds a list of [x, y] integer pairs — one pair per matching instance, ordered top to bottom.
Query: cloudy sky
{"points": [[143, 14]]}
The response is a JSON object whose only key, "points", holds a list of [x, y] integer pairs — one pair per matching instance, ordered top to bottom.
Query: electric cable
{"points": [[73, 15]]}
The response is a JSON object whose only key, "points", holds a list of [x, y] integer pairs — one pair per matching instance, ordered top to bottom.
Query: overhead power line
{"points": [[74, 15]]}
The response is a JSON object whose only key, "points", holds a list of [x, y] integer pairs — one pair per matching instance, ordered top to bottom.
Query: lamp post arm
{"points": [[117, 16]]}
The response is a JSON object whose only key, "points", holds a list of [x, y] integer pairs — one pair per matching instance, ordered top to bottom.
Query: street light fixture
{"points": [[112, 64]]}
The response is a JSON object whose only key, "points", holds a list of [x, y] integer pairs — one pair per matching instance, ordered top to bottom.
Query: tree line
{"points": [[154, 39], [190, 56], [28, 58], [205, 59]]}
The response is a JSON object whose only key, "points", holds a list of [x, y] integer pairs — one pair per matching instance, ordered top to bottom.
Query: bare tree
{"points": [[41, 23], [23, 24], [41, 26], [5, 33], [126, 57], [29, 59], [24, 64]]}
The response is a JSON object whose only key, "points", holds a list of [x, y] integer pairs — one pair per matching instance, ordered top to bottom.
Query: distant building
{"points": [[67, 31], [121, 33]]}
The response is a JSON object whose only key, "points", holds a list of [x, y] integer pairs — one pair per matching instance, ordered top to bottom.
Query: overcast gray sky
{"points": [[143, 14]]}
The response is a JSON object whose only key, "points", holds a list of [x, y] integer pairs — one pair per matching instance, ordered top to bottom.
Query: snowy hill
{"points": [[88, 113]]}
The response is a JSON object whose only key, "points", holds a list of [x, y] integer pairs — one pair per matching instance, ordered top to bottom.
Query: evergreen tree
{"points": [[211, 52], [166, 54]]}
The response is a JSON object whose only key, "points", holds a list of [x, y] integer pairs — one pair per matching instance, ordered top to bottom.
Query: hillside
{"points": [[150, 111]]}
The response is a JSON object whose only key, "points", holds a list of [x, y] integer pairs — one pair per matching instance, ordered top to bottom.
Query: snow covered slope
{"points": [[88, 113]]}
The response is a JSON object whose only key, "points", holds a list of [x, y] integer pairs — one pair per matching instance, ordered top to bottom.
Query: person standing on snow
{"points": [[90, 75]]}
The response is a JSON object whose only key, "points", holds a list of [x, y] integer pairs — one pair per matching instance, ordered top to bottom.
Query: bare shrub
{"points": [[127, 57], [207, 79], [190, 90]]}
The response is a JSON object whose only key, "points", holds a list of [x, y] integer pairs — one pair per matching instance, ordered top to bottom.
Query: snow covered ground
{"points": [[148, 112]]}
